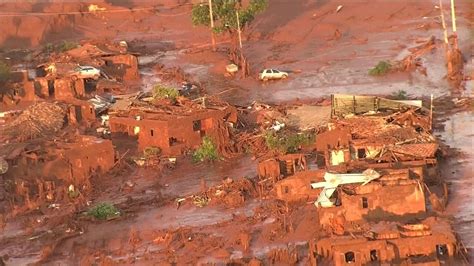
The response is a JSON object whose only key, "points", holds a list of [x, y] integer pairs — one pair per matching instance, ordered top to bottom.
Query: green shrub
{"points": [[66, 46], [60, 48], [382, 68], [4, 72], [162, 92], [400, 95], [287, 142], [151, 151], [206, 152], [73, 194], [103, 211]]}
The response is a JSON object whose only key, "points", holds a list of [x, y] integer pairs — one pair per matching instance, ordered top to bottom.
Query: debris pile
{"points": [[412, 61], [40, 119], [53, 171], [231, 193]]}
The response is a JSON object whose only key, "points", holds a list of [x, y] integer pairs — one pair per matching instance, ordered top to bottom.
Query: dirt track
{"points": [[298, 36]]}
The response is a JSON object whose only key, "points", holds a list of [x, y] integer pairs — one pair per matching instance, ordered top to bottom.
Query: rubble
{"points": [[37, 120], [52, 171], [392, 243]]}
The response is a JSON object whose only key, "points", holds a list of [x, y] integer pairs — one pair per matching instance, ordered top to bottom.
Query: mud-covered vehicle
{"points": [[85, 72], [268, 74]]}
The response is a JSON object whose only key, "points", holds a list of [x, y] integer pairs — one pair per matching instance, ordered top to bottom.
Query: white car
{"points": [[85, 72], [267, 74]]}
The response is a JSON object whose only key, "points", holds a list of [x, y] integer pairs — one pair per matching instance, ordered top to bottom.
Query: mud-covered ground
{"points": [[289, 35]]}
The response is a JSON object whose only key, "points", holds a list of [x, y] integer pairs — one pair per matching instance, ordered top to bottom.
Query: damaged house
{"points": [[60, 79], [175, 128], [379, 138], [281, 166], [36, 169], [370, 195], [427, 243]]}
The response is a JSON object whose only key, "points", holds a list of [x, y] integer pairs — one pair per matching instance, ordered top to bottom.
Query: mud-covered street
{"points": [[337, 133]]}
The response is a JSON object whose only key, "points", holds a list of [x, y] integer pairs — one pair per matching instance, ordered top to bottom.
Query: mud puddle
{"points": [[186, 178]]}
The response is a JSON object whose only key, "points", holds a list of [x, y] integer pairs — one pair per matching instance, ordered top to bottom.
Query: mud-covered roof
{"points": [[162, 110], [407, 126]]}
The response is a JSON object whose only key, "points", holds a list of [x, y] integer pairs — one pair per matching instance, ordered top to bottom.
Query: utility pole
{"points": [[453, 16], [453, 19], [443, 22], [238, 29], [213, 39], [431, 112]]}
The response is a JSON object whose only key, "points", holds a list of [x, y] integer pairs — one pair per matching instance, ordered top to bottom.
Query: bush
{"points": [[66, 46], [61, 47], [382, 68], [4, 72], [162, 92], [400, 95], [287, 143], [151, 151], [206, 152], [104, 211]]}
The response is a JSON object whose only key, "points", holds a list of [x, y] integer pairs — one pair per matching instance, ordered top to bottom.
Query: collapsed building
{"points": [[55, 80], [175, 128], [382, 135], [376, 156], [276, 168], [52, 171], [374, 198], [424, 243]]}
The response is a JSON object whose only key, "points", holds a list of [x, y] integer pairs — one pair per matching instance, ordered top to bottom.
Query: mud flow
{"points": [[282, 133]]}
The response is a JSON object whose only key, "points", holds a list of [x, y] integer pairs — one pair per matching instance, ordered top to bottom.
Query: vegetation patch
{"points": [[224, 14], [61, 47], [382, 68], [4, 72], [162, 92], [399, 95], [287, 142], [151, 151], [206, 152], [104, 211]]}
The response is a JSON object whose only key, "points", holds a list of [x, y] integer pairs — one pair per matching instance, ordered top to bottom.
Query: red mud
{"points": [[327, 52]]}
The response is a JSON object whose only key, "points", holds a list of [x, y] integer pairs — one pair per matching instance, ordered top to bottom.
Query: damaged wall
{"points": [[126, 65], [175, 134], [281, 166], [38, 176], [298, 187], [394, 194], [389, 246]]}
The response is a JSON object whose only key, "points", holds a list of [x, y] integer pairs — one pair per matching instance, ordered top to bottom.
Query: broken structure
{"points": [[53, 80], [175, 128], [385, 133], [38, 169], [373, 199], [427, 242]]}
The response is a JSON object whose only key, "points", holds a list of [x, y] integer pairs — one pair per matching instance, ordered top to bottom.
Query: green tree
{"points": [[224, 14]]}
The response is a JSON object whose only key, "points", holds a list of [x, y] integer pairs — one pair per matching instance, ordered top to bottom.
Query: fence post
{"points": [[354, 104]]}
